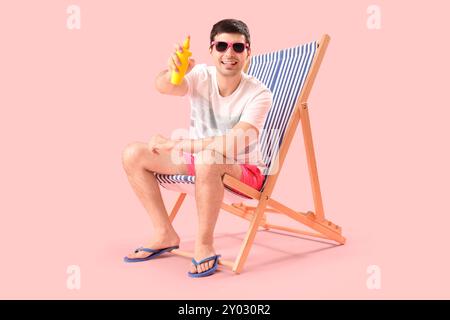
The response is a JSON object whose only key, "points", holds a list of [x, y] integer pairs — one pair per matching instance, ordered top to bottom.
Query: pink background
{"points": [[71, 100]]}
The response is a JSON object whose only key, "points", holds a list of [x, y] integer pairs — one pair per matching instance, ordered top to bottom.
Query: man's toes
{"points": [[138, 255], [132, 256], [206, 266], [202, 267]]}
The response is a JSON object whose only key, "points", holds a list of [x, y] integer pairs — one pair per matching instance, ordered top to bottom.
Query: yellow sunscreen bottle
{"points": [[184, 59]]}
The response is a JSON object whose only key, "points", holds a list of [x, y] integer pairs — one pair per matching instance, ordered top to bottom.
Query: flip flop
{"points": [[154, 253], [207, 272]]}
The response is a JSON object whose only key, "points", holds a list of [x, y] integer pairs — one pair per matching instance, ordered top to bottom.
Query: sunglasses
{"points": [[222, 46]]}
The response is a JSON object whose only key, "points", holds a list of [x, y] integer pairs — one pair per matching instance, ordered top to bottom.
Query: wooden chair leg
{"points": [[312, 165], [177, 206], [250, 236]]}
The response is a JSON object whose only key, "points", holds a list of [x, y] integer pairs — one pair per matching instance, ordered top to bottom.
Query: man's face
{"points": [[229, 63]]}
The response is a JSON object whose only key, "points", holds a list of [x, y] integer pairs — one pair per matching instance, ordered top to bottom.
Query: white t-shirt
{"points": [[213, 115]]}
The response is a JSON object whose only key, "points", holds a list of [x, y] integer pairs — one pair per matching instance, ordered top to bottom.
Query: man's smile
{"points": [[229, 62]]}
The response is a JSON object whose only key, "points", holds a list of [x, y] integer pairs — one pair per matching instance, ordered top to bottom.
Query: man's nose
{"points": [[229, 50]]}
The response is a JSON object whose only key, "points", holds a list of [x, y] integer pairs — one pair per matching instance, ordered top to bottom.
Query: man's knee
{"points": [[132, 155], [207, 163]]}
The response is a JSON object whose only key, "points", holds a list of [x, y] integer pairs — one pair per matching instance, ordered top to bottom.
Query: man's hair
{"points": [[230, 26]]}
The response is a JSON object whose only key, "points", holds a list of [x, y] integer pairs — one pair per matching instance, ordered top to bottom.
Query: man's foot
{"points": [[158, 242], [202, 252]]}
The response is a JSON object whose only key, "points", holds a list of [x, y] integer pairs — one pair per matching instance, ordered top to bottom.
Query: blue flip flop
{"points": [[154, 253], [207, 272]]}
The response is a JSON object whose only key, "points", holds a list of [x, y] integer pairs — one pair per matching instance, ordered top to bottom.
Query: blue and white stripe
{"points": [[284, 72]]}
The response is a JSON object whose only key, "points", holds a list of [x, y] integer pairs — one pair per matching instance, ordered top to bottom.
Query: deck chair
{"points": [[290, 75]]}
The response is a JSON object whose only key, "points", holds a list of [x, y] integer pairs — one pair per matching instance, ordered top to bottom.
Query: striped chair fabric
{"points": [[284, 72]]}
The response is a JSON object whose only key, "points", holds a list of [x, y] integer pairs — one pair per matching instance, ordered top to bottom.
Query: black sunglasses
{"points": [[222, 46]]}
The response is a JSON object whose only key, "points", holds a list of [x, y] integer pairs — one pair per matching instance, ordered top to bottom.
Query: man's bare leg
{"points": [[139, 163], [209, 192]]}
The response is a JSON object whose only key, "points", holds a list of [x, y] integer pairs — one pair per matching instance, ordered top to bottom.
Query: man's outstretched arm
{"points": [[162, 81]]}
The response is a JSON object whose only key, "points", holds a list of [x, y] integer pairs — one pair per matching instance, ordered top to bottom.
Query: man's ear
{"points": [[248, 54], [247, 61]]}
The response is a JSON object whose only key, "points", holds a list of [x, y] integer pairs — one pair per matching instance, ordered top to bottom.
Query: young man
{"points": [[226, 106]]}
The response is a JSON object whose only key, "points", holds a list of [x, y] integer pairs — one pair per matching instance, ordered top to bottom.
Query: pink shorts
{"points": [[251, 175]]}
